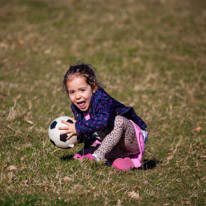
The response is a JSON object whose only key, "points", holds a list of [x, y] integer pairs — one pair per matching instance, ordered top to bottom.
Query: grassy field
{"points": [[150, 54]]}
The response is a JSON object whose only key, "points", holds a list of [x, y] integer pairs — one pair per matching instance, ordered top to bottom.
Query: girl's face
{"points": [[79, 92]]}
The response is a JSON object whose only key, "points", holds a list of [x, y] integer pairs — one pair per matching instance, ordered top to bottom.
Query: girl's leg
{"points": [[120, 142]]}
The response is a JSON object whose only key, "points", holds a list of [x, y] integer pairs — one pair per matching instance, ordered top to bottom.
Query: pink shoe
{"points": [[88, 156], [78, 157], [81, 157], [123, 164]]}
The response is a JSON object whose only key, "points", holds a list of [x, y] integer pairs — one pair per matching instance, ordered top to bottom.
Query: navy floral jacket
{"points": [[103, 109]]}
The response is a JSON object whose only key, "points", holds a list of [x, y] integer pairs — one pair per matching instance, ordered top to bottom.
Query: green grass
{"points": [[149, 54]]}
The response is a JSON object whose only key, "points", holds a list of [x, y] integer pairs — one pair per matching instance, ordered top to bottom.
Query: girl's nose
{"points": [[78, 96]]}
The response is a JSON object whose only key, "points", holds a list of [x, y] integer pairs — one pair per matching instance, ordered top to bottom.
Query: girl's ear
{"points": [[95, 89]]}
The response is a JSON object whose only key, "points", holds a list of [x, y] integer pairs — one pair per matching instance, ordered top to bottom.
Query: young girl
{"points": [[110, 131]]}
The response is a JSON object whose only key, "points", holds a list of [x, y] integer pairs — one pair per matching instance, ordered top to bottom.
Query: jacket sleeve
{"points": [[103, 117]]}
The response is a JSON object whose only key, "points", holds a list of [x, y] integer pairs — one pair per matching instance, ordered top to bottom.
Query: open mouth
{"points": [[81, 104]]}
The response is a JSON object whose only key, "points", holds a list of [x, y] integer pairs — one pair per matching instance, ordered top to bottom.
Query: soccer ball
{"points": [[60, 140]]}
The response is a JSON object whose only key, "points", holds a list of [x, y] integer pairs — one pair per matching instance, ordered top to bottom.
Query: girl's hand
{"points": [[70, 129]]}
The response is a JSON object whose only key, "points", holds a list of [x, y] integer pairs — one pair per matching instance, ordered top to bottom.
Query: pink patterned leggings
{"points": [[120, 142]]}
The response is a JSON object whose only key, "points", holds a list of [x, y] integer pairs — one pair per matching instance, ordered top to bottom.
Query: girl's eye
{"points": [[82, 90], [71, 92]]}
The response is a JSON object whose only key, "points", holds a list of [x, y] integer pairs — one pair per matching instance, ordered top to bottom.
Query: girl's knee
{"points": [[119, 120], [124, 123]]}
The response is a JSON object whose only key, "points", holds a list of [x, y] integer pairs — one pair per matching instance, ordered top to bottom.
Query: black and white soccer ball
{"points": [[60, 140]]}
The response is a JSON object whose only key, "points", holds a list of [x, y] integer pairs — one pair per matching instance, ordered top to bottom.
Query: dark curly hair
{"points": [[85, 70]]}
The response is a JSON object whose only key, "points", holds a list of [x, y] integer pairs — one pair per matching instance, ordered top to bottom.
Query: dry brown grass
{"points": [[149, 54]]}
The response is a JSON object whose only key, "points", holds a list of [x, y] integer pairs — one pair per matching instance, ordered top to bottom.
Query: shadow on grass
{"points": [[67, 157], [149, 164]]}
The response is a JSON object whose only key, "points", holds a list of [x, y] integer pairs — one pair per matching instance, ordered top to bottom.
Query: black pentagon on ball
{"points": [[70, 121], [53, 124], [63, 137]]}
